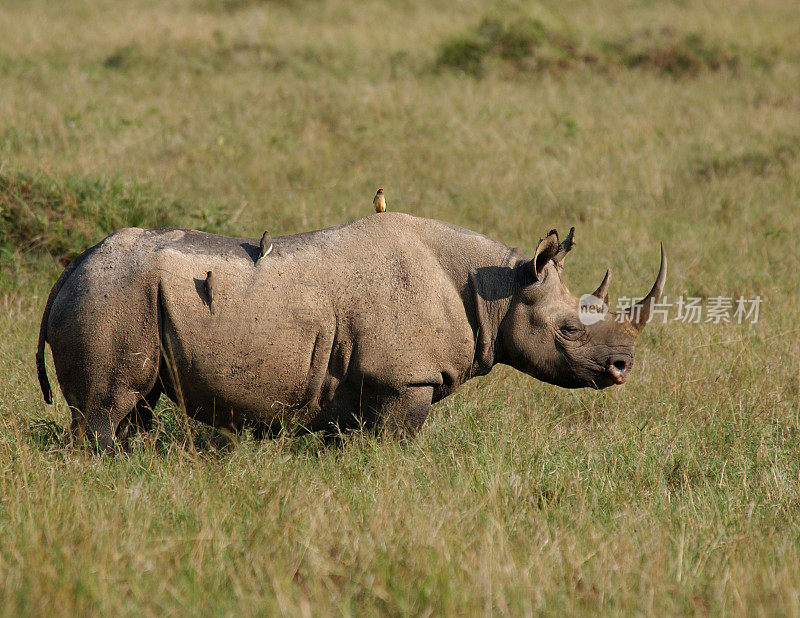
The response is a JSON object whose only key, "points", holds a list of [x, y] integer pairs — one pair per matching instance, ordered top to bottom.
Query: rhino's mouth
{"points": [[604, 380]]}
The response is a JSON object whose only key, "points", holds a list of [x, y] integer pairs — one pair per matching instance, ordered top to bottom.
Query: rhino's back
{"points": [[395, 280], [382, 287]]}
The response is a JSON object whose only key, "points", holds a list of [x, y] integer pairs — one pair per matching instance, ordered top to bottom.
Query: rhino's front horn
{"points": [[602, 291], [639, 314]]}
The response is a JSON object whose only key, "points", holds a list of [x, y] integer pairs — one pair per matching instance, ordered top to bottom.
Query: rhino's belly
{"points": [[232, 371]]}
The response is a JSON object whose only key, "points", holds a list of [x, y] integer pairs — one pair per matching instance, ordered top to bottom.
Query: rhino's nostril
{"points": [[618, 369]]}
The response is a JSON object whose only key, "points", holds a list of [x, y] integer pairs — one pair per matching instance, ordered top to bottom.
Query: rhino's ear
{"points": [[545, 251]]}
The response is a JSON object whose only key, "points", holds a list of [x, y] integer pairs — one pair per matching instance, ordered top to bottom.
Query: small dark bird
{"points": [[379, 202], [266, 245], [211, 290]]}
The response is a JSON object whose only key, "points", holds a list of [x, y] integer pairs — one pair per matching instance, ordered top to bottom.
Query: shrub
{"points": [[667, 52], [463, 53], [64, 216]]}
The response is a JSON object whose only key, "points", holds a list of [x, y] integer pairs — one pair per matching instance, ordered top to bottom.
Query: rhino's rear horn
{"points": [[602, 291], [639, 314]]}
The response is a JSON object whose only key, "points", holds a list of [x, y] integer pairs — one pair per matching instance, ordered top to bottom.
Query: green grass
{"points": [[635, 122], [61, 217]]}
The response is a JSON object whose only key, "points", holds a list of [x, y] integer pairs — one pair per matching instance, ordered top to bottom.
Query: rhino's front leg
{"points": [[405, 412]]}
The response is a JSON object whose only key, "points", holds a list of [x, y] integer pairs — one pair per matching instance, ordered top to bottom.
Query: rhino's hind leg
{"points": [[108, 412], [112, 417], [103, 418]]}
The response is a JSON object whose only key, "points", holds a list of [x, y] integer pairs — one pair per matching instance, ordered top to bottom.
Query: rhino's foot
{"points": [[386, 411], [404, 414], [106, 422], [92, 434]]}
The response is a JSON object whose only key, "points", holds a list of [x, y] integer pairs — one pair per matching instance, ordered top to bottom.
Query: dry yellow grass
{"points": [[678, 493]]}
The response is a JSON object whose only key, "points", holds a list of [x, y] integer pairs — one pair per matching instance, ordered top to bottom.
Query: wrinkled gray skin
{"points": [[369, 322]]}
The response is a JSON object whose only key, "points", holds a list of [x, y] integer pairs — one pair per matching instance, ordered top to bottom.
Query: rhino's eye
{"points": [[571, 330]]}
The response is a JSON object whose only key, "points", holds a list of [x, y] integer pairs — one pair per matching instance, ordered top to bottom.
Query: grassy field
{"points": [[678, 493]]}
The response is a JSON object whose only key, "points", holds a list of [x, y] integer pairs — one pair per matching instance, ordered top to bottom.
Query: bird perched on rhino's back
{"points": [[379, 201], [265, 247], [211, 290], [298, 341]]}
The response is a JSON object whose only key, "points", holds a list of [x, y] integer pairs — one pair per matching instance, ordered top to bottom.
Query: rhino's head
{"points": [[556, 338]]}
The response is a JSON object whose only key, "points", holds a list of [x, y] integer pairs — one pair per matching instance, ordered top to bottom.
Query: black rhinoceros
{"points": [[369, 322]]}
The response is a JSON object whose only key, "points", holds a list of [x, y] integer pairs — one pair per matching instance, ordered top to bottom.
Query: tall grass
{"points": [[677, 493]]}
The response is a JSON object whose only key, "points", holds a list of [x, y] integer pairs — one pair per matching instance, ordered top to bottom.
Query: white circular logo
{"points": [[591, 309]]}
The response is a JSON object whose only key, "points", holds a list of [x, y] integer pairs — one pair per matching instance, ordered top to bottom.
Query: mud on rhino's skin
{"points": [[368, 322]]}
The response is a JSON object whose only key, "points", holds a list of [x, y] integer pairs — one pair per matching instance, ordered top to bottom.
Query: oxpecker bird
{"points": [[379, 201], [266, 245], [211, 290]]}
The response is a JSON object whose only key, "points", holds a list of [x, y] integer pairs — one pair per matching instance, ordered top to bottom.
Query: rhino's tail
{"points": [[41, 370]]}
